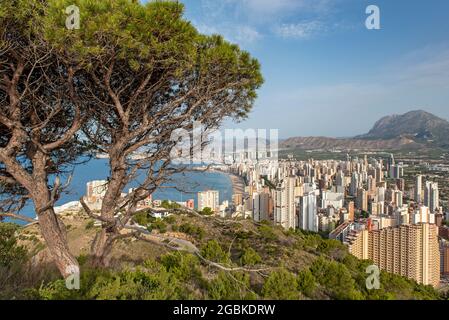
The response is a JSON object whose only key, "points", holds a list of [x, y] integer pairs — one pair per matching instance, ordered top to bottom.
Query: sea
{"points": [[187, 184]]}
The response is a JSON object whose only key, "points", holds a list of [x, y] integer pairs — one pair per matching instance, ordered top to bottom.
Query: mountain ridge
{"points": [[414, 129]]}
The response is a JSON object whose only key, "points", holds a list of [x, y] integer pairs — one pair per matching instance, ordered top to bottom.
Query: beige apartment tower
{"points": [[208, 199], [408, 250]]}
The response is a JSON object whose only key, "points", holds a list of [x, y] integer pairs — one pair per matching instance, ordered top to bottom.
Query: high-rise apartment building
{"points": [[396, 171], [379, 174], [400, 183], [355, 184], [372, 185], [418, 189], [432, 196], [398, 198], [208, 199], [237, 199], [334, 199], [362, 199], [261, 206], [285, 210], [351, 210], [308, 211], [408, 250], [444, 251]]}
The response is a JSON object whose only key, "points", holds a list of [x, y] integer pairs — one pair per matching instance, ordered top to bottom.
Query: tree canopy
{"points": [[122, 84]]}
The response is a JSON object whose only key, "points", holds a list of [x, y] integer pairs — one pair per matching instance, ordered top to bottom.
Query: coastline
{"points": [[238, 184]]}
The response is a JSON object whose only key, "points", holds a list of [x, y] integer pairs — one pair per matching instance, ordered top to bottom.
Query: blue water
{"points": [[190, 182]]}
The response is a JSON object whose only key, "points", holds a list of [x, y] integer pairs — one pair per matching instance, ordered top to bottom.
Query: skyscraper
{"points": [[396, 171], [379, 174], [340, 182], [355, 183], [372, 184], [418, 189], [432, 196], [398, 198], [362, 199], [261, 203], [285, 210], [351, 210], [308, 211], [444, 249]]}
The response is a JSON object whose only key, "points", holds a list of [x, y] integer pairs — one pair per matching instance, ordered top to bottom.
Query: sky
{"points": [[325, 73]]}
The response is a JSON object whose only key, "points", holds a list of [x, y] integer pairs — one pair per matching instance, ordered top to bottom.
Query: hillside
{"points": [[419, 125], [413, 130], [347, 144], [236, 259]]}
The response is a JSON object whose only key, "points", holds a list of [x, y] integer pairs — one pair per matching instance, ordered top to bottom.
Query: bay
{"points": [[190, 182]]}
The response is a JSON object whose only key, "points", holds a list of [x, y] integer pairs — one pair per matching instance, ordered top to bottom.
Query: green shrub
{"points": [[170, 205], [207, 212], [143, 218], [170, 220], [90, 225], [160, 225], [192, 230], [267, 232], [212, 251], [11, 254], [250, 257], [82, 259], [183, 266], [336, 278], [151, 281], [306, 282], [281, 285], [227, 286]]}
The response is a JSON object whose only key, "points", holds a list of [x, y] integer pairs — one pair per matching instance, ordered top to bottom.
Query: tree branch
{"points": [[17, 217]]}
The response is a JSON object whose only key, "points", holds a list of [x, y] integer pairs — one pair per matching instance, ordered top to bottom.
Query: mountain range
{"points": [[414, 129]]}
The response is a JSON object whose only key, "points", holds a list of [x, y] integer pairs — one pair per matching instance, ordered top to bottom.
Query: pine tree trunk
{"points": [[54, 233], [102, 245], [100, 250]]}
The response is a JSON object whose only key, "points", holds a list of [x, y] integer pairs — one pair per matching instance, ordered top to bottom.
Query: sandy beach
{"points": [[238, 184]]}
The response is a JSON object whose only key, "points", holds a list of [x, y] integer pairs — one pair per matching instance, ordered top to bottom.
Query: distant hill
{"points": [[420, 125], [414, 129], [308, 143]]}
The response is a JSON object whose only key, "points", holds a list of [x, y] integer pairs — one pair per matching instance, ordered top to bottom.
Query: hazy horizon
{"points": [[368, 129]]}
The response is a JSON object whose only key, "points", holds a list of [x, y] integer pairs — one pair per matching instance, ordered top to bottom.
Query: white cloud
{"points": [[270, 6], [281, 8], [246, 21], [205, 29], [302, 30], [241, 34], [247, 34], [428, 66]]}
